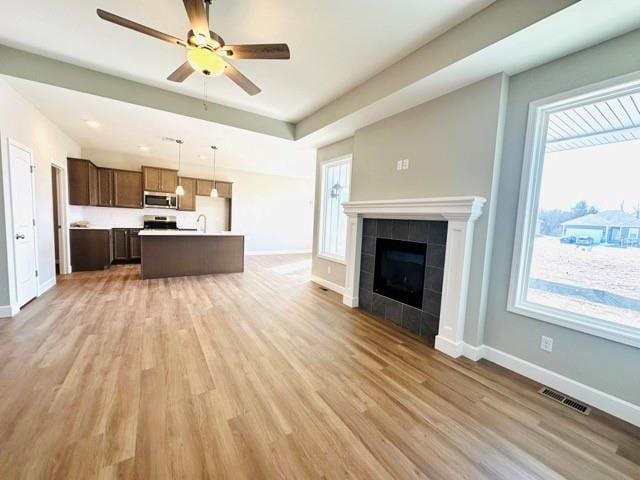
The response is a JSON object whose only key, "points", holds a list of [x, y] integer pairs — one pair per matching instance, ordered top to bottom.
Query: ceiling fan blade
{"points": [[197, 16], [124, 22], [272, 51], [181, 73], [240, 80]]}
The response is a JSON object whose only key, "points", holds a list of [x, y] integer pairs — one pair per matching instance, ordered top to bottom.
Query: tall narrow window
{"points": [[336, 187], [577, 255]]}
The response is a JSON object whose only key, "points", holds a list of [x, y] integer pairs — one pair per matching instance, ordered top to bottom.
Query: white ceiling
{"points": [[335, 44], [124, 127]]}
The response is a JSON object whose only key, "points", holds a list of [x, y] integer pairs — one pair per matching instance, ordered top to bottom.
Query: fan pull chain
{"points": [[204, 99]]}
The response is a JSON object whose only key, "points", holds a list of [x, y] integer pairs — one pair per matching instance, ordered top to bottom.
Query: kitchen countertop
{"points": [[104, 227], [186, 233]]}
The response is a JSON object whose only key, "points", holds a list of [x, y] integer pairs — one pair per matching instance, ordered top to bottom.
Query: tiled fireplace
{"points": [[445, 227], [409, 256]]}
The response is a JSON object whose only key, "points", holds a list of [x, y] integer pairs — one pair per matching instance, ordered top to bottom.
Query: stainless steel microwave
{"points": [[160, 200]]}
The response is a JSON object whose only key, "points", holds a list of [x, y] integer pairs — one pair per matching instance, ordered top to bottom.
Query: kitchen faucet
{"points": [[205, 222]]}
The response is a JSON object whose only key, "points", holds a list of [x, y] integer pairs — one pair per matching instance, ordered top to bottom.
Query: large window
{"points": [[336, 183], [577, 253]]}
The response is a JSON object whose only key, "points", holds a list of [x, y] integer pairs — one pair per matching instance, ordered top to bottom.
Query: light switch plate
{"points": [[405, 163], [399, 165], [546, 344]]}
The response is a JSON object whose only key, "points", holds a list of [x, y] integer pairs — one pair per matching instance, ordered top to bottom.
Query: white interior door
{"points": [[20, 171]]}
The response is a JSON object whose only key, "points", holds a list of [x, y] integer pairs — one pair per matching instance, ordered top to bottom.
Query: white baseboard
{"points": [[275, 252], [327, 284], [46, 286], [350, 301], [7, 311], [453, 349], [475, 353], [615, 406]]}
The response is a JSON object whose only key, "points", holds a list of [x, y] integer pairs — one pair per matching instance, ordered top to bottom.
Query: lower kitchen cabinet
{"points": [[126, 244], [90, 249]]}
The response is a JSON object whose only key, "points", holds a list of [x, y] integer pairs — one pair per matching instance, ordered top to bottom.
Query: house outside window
{"points": [[336, 188], [577, 253]]}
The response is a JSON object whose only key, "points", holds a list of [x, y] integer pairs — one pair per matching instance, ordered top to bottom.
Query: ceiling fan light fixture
{"points": [[199, 40], [205, 61]]}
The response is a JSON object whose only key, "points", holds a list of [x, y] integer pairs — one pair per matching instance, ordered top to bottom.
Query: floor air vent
{"points": [[563, 399]]}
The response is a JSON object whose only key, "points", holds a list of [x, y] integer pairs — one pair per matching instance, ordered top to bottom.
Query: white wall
{"points": [[22, 122], [274, 212]]}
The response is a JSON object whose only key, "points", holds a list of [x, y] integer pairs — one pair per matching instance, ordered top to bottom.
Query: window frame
{"points": [[528, 202], [322, 225]]}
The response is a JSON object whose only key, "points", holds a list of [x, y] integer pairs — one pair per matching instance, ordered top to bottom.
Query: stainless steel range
{"points": [[160, 222]]}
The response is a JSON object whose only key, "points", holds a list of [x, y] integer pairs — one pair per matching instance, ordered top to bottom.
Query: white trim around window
{"points": [[534, 152], [326, 252]]}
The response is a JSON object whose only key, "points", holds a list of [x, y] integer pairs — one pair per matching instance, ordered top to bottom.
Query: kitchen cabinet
{"points": [[82, 176], [159, 179], [105, 187], [203, 187], [127, 189], [224, 189], [188, 200], [126, 244], [134, 244], [90, 249]]}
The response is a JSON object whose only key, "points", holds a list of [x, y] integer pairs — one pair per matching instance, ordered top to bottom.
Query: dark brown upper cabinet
{"points": [[159, 179], [83, 182], [105, 187], [203, 187], [127, 189], [224, 189], [188, 200]]}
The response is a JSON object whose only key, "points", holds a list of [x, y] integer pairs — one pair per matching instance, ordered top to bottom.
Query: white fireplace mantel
{"points": [[460, 213]]}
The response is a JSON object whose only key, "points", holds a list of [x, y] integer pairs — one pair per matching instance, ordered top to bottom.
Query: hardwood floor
{"points": [[263, 375]]}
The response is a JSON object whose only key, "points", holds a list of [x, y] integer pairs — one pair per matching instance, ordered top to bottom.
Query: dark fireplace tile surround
{"points": [[422, 322]]}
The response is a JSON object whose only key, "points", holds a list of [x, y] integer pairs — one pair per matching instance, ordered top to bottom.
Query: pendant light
{"points": [[179, 188], [214, 190]]}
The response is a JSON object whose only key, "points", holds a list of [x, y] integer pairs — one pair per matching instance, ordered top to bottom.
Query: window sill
{"points": [[330, 258], [599, 328]]}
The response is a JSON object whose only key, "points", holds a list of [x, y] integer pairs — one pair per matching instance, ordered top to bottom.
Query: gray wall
{"points": [[451, 143], [333, 272], [602, 364]]}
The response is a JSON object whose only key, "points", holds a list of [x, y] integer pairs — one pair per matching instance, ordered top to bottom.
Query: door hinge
{"points": [[32, 168], [34, 222], [36, 273]]}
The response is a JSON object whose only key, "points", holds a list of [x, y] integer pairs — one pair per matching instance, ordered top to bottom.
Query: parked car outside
{"points": [[568, 239], [586, 241]]}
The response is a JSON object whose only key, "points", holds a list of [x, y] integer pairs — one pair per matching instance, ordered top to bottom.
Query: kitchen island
{"points": [[178, 253]]}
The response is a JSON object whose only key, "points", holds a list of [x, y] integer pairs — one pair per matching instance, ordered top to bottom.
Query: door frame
{"points": [[13, 143], [63, 235]]}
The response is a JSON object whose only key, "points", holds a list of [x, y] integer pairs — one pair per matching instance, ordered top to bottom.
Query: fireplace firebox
{"points": [[399, 270]]}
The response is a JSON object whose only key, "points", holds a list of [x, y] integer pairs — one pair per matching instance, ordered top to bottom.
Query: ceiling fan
{"points": [[206, 50]]}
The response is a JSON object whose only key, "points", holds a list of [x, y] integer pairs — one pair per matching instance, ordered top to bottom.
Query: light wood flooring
{"points": [[264, 375]]}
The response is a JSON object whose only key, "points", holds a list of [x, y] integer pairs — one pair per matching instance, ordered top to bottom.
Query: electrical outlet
{"points": [[405, 164], [399, 165], [329, 269], [546, 344]]}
